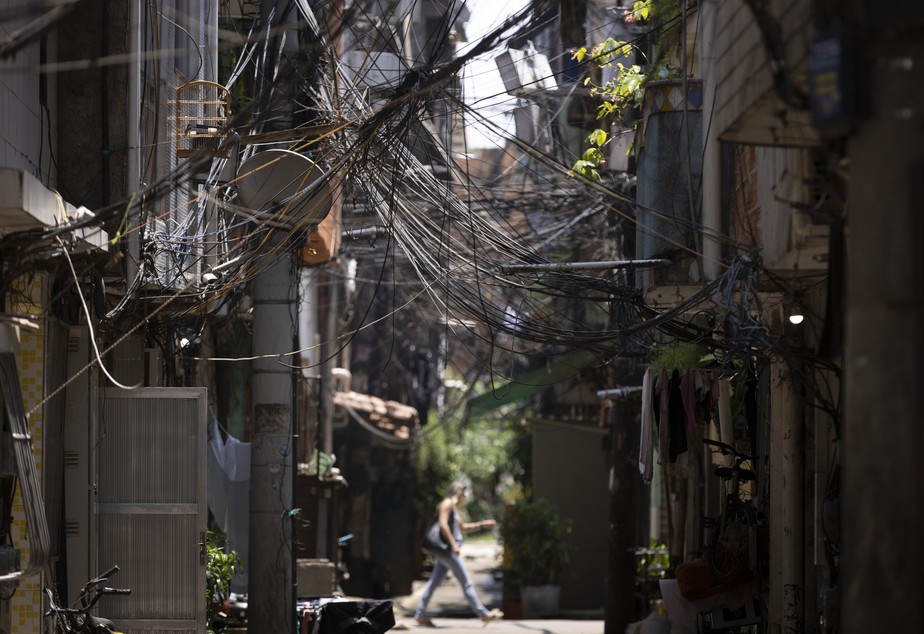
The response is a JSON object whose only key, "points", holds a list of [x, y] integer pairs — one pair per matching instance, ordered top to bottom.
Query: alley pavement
{"points": [[451, 615]]}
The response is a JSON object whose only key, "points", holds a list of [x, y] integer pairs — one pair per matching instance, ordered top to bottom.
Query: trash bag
{"points": [[356, 617]]}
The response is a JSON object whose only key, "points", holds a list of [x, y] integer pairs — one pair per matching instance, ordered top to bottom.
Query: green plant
{"points": [[589, 164], [681, 355], [534, 536], [656, 561], [219, 571]]}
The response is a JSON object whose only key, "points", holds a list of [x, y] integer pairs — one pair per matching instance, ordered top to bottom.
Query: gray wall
{"points": [[23, 132], [92, 163], [664, 183], [569, 470]]}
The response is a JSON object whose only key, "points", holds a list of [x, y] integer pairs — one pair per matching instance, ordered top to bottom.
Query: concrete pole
{"points": [[883, 488], [787, 543], [271, 560], [271, 605]]}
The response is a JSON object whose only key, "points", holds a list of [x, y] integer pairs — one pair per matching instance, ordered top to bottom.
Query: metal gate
{"points": [[151, 507]]}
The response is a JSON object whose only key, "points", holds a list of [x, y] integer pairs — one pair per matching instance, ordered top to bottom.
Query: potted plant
{"points": [[535, 553]]}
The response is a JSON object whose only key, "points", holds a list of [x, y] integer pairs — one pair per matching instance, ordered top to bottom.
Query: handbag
{"points": [[433, 538]]}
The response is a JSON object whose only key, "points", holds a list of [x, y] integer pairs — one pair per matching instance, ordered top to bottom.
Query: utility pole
{"points": [[883, 490], [787, 537], [271, 556], [271, 606]]}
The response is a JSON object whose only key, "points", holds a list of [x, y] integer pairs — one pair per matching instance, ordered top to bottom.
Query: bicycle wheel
{"points": [[730, 546]]}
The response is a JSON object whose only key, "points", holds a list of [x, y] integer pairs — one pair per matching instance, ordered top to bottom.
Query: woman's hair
{"points": [[456, 488]]}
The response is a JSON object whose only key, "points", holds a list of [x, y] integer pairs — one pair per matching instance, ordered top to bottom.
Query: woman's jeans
{"points": [[446, 562]]}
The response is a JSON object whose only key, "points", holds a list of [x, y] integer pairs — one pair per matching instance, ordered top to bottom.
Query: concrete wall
{"points": [[23, 134], [93, 165], [570, 471]]}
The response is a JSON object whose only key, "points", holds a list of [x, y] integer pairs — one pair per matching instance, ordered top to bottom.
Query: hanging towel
{"points": [[688, 396], [663, 415], [677, 431], [646, 447]]}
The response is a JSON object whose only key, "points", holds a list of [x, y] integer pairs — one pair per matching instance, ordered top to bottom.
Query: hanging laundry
{"points": [[688, 397], [661, 408], [677, 431], [646, 445], [229, 494]]}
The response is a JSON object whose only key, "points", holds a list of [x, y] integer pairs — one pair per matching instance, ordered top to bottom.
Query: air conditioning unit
{"points": [[525, 72]]}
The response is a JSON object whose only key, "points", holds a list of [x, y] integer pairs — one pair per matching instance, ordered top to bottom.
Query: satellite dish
{"points": [[284, 186]]}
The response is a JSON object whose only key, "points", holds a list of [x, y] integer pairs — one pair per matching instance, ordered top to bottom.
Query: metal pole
{"points": [[581, 266], [618, 392]]}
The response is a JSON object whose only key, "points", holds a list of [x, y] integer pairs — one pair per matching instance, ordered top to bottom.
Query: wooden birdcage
{"points": [[203, 119]]}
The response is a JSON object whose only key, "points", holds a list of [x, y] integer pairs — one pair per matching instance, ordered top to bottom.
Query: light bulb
{"points": [[796, 318]]}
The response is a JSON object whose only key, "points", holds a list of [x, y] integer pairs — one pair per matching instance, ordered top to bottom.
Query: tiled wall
{"points": [[30, 295]]}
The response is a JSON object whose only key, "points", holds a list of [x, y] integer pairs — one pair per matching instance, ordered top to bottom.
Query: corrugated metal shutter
{"points": [[56, 340], [81, 414], [152, 507]]}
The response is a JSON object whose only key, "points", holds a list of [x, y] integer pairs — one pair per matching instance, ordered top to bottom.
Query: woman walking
{"points": [[444, 545]]}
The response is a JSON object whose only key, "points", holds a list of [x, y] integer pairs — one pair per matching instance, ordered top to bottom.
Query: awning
{"points": [[532, 383], [389, 416]]}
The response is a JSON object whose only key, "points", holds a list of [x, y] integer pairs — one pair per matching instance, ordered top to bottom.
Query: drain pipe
{"points": [[712, 148], [30, 489]]}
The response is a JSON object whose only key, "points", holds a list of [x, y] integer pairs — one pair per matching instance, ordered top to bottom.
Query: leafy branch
{"points": [[625, 92]]}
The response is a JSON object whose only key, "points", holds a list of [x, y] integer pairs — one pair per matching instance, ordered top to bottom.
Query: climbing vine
{"points": [[625, 92]]}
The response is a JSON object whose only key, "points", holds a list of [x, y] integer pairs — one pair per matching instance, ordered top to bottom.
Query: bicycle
{"points": [[732, 548], [77, 619]]}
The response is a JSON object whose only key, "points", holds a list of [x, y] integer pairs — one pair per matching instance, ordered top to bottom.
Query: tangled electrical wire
{"points": [[447, 236]]}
